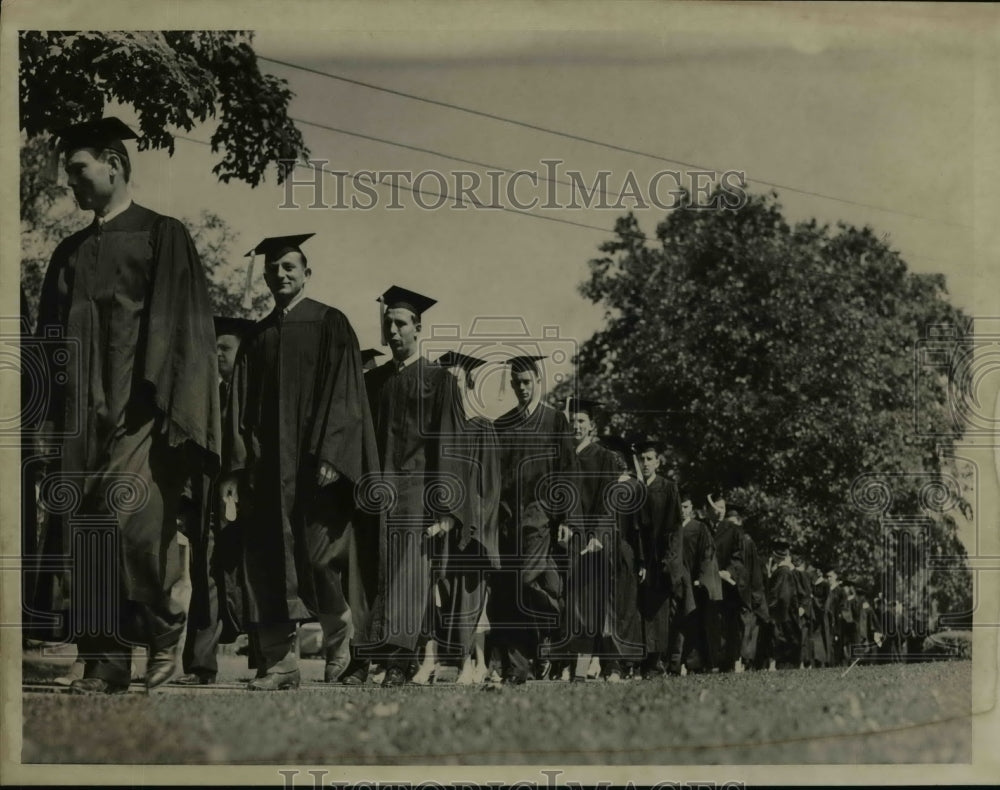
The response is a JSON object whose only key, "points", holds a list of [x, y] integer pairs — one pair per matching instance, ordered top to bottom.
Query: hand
{"points": [[326, 474], [229, 489], [229, 498], [439, 527], [563, 534], [592, 545], [642, 575], [727, 577], [696, 583], [801, 611]]}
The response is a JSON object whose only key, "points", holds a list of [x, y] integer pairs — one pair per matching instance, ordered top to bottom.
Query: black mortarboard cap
{"points": [[104, 133], [274, 247], [271, 248], [403, 297], [226, 325], [369, 354], [451, 359], [523, 362], [590, 407], [648, 443], [781, 548]]}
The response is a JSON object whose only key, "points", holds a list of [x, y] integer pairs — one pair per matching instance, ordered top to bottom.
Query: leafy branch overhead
{"points": [[173, 79]]}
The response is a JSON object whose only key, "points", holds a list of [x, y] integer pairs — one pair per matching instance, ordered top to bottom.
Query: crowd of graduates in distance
{"points": [[429, 543]]}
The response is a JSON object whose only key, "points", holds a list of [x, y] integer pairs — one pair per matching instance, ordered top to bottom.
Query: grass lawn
{"points": [[895, 713]]}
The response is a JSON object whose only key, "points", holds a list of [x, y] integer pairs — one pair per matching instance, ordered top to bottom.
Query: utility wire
{"points": [[591, 141]]}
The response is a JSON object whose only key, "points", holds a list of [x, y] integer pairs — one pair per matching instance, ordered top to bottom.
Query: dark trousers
{"points": [[463, 597], [525, 605], [700, 640], [202, 643], [272, 648], [109, 656]]}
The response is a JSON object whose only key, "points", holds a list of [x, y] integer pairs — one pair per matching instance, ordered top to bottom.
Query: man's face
{"points": [[89, 178], [286, 276], [401, 330], [226, 347], [524, 384], [582, 426], [650, 462], [687, 509]]}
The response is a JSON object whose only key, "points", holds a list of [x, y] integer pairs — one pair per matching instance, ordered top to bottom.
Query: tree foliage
{"points": [[173, 79], [777, 360]]}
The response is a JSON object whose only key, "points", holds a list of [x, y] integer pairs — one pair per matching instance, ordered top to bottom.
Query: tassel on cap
{"points": [[248, 285], [381, 320]]}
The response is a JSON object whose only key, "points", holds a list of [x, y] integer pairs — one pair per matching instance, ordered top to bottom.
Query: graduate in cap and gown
{"points": [[134, 411], [417, 411], [298, 439], [626, 497], [539, 502], [472, 550], [664, 588], [735, 588], [784, 603], [214, 613], [756, 616], [807, 618], [588, 627], [699, 642]]}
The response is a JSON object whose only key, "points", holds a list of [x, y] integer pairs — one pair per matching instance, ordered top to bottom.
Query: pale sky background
{"points": [[881, 114], [886, 121]]}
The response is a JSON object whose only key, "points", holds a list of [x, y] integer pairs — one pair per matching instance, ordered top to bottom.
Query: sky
{"points": [[884, 122]]}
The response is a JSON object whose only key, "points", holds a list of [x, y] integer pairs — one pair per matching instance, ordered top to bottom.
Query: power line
{"points": [[591, 141], [419, 149], [429, 193], [478, 204]]}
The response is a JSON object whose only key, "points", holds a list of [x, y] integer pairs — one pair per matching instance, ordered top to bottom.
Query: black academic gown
{"points": [[298, 399], [133, 406], [418, 416], [538, 467], [628, 497], [472, 548], [665, 589], [783, 595], [589, 596], [835, 608], [756, 618], [806, 620], [822, 632], [700, 644]]}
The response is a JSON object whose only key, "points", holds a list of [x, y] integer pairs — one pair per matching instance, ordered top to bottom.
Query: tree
{"points": [[172, 79], [777, 361]]}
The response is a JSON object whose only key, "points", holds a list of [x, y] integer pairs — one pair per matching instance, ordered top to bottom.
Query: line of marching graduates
{"points": [[426, 541], [458, 549]]}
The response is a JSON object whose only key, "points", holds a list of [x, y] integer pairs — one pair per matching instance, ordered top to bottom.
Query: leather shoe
{"points": [[161, 668], [333, 670], [356, 674], [394, 676], [195, 679], [276, 681], [96, 686]]}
